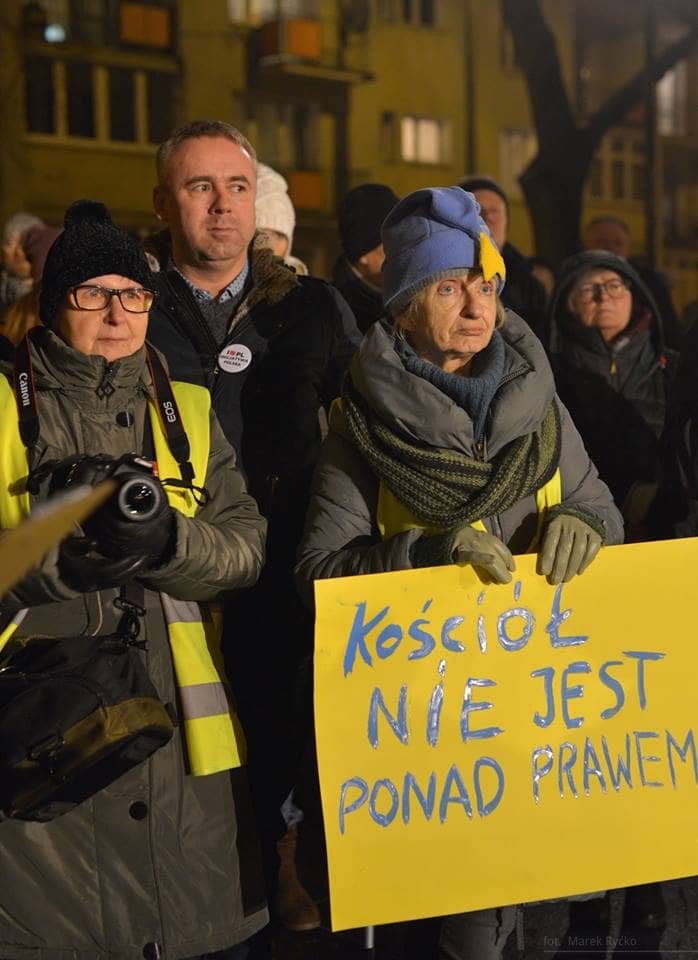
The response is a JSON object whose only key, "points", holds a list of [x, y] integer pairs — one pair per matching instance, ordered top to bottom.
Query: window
{"points": [[387, 9], [255, 12], [417, 12], [427, 12], [56, 21], [89, 22], [107, 23], [145, 25], [39, 95], [80, 98], [671, 101], [108, 104], [160, 104], [122, 112], [288, 135], [388, 136], [424, 140], [516, 150], [618, 171], [596, 178], [639, 178], [617, 179]]}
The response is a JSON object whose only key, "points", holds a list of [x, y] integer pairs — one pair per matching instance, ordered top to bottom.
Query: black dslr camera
{"points": [[139, 496], [132, 530]]}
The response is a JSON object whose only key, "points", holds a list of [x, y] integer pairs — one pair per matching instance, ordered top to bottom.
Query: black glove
{"points": [[136, 522], [84, 569]]}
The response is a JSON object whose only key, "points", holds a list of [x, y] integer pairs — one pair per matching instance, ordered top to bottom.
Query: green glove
{"points": [[569, 545], [485, 551]]}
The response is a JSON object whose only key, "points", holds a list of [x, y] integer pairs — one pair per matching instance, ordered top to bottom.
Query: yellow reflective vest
{"points": [[394, 517], [213, 734]]}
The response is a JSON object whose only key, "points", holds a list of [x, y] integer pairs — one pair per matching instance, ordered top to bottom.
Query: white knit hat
{"points": [[273, 206]]}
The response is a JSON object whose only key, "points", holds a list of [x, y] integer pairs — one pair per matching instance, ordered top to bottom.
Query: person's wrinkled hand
{"points": [[569, 545], [484, 551]]}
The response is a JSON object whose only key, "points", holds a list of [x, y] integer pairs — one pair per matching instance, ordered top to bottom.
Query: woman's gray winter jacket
{"points": [[341, 535]]}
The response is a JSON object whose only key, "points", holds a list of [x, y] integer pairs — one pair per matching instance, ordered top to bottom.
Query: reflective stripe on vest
{"points": [[394, 517], [213, 734]]}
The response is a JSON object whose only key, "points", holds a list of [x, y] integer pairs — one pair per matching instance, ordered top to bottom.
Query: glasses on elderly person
{"points": [[589, 292], [90, 296]]}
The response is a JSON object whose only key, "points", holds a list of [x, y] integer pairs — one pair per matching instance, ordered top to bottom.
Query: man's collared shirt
{"points": [[232, 292], [218, 311]]}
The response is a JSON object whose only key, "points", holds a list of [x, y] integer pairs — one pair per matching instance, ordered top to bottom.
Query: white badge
{"points": [[234, 358]]}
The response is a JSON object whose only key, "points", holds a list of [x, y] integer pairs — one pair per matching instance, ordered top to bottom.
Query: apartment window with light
{"points": [[256, 12], [672, 91], [425, 140]]}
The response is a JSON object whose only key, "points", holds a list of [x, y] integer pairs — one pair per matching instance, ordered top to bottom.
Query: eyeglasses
{"points": [[589, 292], [90, 296]]}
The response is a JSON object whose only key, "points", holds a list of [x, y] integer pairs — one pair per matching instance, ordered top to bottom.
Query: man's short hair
{"points": [[194, 131]]}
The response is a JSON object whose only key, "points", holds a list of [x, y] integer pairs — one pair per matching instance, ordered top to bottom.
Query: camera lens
{"points": [[139, 498]]}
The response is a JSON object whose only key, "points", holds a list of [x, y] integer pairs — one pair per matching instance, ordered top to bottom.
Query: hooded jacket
{"points": [[616, 392], [341, 535], [149, 866]]}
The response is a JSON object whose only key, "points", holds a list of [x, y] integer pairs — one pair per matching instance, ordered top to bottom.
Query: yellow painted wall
{"points": [[419, 71]]}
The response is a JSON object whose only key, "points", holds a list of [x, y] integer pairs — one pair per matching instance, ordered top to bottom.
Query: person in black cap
{"points": [[358, 272], [523, 293], [136, 855]]}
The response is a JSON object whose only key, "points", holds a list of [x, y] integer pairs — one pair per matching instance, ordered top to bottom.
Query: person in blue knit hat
{"points": [[450, 445]]}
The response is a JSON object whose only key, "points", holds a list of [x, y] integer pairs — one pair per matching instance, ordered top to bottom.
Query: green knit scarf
{"points": [[445, 488]]}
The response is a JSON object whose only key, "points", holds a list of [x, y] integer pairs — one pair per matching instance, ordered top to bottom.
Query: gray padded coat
{"points": [[341, 536]]}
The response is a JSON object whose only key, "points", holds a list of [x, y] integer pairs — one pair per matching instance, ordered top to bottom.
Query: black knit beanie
{"points": [[473, 184], [361, 214], [91, 245]]}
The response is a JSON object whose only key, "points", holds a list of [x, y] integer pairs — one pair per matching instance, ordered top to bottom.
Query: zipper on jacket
{"points": [[105, 387]]}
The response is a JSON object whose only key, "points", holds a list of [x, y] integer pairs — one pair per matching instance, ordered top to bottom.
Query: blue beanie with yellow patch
{"points": [[429, 235]]}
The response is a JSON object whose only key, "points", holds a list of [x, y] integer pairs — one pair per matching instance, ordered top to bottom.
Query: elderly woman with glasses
{"points": [[613, 373], [449, 444], [125, 845]]}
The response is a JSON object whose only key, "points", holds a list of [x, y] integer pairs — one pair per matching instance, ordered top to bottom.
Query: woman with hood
{"points": [[613, 374]]}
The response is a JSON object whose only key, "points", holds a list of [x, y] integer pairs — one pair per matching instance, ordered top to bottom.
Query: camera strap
{"points": [[25, 394], [165, 402], [170, 417]]}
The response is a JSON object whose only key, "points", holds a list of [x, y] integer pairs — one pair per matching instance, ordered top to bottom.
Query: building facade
{"points": [[332, 93]]}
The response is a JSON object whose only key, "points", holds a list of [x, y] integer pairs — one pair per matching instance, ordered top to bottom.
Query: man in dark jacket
{"points": [[358, 272], [523, 293], [272, 347]]}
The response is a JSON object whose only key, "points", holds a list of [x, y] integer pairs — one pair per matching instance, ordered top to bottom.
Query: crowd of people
{"points": [[444, 400]]}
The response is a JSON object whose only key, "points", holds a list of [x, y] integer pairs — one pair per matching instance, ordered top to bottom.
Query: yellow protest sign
{"points": [[487, 745]]}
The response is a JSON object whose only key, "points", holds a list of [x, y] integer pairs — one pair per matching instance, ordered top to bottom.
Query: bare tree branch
{"points": [[620, 102]]}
